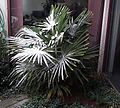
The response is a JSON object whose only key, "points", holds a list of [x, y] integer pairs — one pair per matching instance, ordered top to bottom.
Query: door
{"points": [[114, 53]]}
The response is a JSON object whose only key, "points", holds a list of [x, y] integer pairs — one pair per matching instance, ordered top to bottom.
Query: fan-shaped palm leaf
{"points": [[26, 37], [34, 54]]}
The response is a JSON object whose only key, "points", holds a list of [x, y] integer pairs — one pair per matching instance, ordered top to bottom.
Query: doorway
{"points": [[114, 52]]}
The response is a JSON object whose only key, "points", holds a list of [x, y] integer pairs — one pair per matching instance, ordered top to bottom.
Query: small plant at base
{"points": [[106, 96]]}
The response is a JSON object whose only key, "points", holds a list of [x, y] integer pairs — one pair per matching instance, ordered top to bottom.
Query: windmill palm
{"points": [[50, 52]]}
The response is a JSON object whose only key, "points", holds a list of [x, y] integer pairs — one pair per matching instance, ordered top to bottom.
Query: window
{"points": [[39, 9]]}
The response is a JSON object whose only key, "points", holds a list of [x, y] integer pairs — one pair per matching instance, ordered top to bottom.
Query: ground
{"points": [[13, 102]]}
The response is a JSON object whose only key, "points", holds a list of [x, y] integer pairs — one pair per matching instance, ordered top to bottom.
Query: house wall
{"points": [[31, 5], [3, 6], [96, 7], [16, 15]]}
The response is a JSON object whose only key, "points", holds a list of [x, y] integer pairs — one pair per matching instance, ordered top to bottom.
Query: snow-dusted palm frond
{"points": [[62, 14], [84, 18], [57, 20], [49, 23], [72, 27], [26, 31], [26, 37], [59, 37], [56, 39], [21, 42], [33, 55], [59, 71], [22, 72]]}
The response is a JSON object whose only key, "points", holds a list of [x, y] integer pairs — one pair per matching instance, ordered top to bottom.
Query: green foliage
{"points": [[2, 22], [2, 36], [51, 55], [4, 65], [59, 90], [103, 94], [42, 102], [78, 105]]}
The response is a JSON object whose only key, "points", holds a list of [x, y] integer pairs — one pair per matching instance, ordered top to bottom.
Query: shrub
{"points": [[4, 64], [101, 91], [106, 96]]}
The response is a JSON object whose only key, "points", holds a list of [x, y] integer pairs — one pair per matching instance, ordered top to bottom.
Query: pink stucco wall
{"points": [[96, 6], [16, 15]]}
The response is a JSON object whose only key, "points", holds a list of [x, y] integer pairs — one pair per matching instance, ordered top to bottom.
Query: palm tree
{"points": [[47, 55]]}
